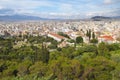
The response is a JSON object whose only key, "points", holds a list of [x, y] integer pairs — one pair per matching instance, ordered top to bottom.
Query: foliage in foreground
{"points": [[89, 62]]}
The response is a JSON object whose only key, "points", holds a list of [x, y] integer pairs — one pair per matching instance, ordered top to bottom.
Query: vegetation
{"points": [[63, 34], [88, 34], [79, 39], [95, 41], [35, 60]]}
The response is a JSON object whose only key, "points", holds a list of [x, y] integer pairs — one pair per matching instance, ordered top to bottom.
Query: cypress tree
{"points": [[89, 34], [93, 35]]}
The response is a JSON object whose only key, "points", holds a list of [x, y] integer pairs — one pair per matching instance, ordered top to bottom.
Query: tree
{"points": [[62, 34], [89, 34], [93, 35], [79, 39], [95, 41], [52, 46], [113, 47], [103, 50], [24, 52], [68, 52], [44, 54], [115, 55], [23, 68], [99, 68], [11, 69], [39, 69], [66, 69], [116, 73]]}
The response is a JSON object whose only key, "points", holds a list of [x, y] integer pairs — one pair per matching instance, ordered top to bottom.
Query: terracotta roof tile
{"points": [[56, 35], [107, 37]]}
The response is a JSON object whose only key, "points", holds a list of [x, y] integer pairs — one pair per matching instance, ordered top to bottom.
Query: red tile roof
{"points": [[56, 35], [107, 37]]}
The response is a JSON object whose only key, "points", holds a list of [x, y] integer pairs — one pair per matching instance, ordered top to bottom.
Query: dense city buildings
{"points": [[105, 31]]}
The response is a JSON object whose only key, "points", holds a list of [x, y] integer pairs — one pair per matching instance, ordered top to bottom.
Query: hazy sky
{"points": [[61, 8]]}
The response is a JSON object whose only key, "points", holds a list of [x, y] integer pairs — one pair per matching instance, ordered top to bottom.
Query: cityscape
{"points": [[106, 31], [59, 40]]}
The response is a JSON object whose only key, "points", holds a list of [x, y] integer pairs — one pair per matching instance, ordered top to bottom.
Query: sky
{"points": [[73, 9]]}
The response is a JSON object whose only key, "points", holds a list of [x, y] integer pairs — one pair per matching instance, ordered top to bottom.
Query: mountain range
{"points": [[19, 17], [26, 17]]}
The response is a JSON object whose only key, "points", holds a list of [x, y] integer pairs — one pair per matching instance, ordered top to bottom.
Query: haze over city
{"points": [[65, 9]]}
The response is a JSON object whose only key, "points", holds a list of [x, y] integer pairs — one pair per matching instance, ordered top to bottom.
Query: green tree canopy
{"points": [[79, 39]]}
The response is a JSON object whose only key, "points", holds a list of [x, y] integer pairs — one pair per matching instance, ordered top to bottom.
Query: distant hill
{"points": [[19, 17], [116, 17], [99, 18]]}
